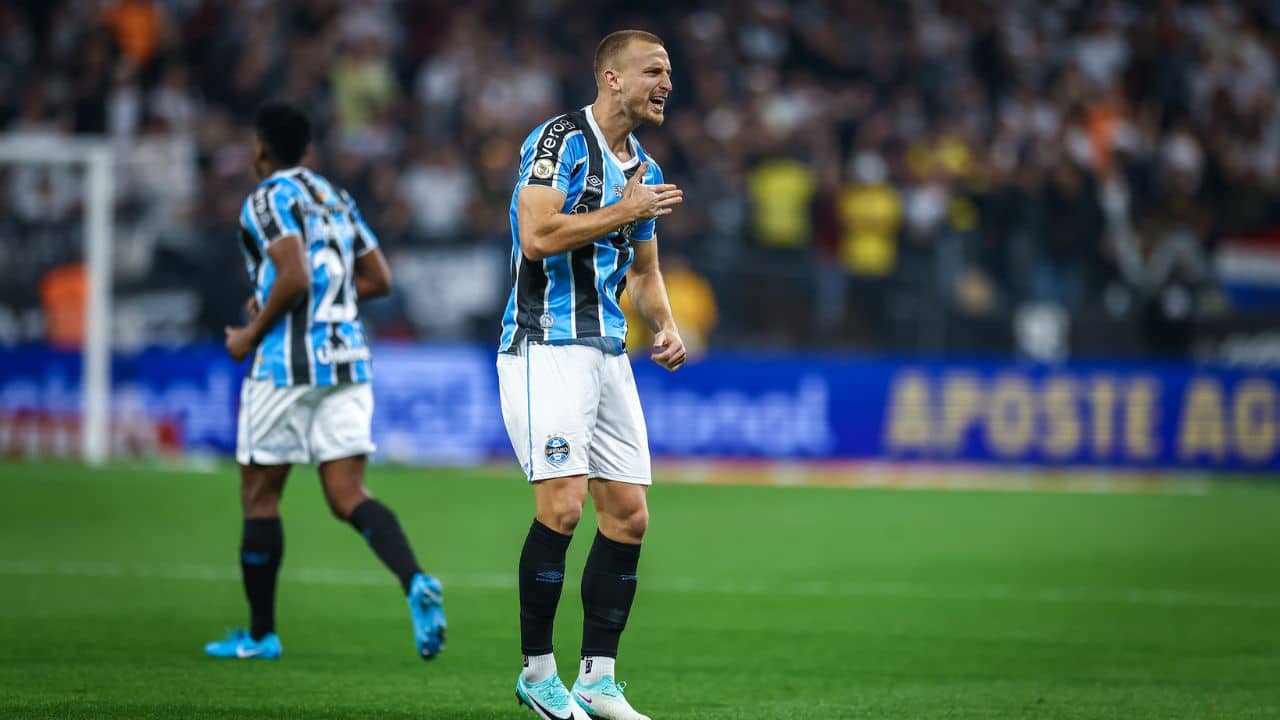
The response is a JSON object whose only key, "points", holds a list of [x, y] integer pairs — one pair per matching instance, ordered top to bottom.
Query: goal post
{"points": [[97, 158]]}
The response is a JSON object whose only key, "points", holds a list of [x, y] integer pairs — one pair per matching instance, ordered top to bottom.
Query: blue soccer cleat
{"points": [[426, 607], [239, 644], [548, 699], [603, 699]]}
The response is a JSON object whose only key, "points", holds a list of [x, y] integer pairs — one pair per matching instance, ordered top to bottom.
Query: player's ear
{"points": [[611, 80]]}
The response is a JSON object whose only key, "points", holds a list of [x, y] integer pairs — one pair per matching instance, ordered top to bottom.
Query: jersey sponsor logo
{"points": [[549, 146], [594, 181], [546, 320], [334, 355], [557, 449]]}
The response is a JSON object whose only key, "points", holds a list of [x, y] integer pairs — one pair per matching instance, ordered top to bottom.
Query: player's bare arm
{"points": [[546, 231], [373, 275], [292, 279], [649, 295]]}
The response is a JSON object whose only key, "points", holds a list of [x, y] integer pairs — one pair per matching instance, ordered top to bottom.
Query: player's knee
{"points": [[259, 499], [343, 504], [564, 516], [632, 524]]}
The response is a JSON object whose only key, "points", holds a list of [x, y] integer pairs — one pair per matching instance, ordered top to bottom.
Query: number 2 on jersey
{"points": [[338, 304]]}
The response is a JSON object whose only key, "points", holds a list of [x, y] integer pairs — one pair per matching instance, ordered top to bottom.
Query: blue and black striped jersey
{"points": [[574, 295], [321, 340]]}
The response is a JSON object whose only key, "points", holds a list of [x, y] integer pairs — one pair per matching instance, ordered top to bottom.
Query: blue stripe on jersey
{"points": [[566, 153], [559, 299], [320, 341]]}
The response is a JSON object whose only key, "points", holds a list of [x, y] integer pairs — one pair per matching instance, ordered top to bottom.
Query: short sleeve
{"points": [[551, 154], [268, 214], [645, 229], [365, 241]]}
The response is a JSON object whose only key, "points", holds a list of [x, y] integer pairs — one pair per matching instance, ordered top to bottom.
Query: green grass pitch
{"points": [[754, 602]]}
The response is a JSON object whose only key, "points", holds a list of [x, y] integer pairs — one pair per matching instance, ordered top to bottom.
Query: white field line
{"points": [[1149, 597]]}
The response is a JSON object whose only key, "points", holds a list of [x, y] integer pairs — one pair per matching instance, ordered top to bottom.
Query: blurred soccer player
{"points": [[582, 225], [307, 397]]}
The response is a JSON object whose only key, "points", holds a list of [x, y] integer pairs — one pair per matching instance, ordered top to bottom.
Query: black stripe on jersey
{"points": [[550, 145], [317, 195], [262, 213], [623, 242], [360, 244], [250, 245], [530, 280], [586, 299], [300, 324], [299, 355], [342, 370]]}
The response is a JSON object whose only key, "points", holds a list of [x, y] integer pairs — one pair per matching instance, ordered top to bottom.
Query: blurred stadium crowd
{"points": [[925, 176]]}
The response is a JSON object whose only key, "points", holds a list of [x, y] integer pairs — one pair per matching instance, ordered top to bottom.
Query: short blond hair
{"points": [[615, 42]]}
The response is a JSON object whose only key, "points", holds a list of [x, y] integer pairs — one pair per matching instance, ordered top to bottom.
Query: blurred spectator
{"points": [[925, 169]]}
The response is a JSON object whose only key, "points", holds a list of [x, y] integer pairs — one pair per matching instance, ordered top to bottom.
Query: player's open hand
{"points": [[650, 201], [240, 342], [668, 350]]}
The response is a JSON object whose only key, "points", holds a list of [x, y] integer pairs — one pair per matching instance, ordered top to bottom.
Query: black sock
{"points": [[379, 526], [261, 547], [541, 579], [608, 588]]}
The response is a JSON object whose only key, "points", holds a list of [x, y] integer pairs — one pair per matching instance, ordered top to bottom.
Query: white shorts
{"points": [[574, 410], [303, 424]]}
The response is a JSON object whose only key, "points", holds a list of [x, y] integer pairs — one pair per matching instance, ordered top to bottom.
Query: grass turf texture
{"points": [[754, 602]]}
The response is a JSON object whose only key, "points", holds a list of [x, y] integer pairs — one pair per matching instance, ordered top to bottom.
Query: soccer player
{"points": [[582, 225], [307, 397]]}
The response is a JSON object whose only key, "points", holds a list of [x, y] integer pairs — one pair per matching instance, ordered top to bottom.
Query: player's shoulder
{"points": [[565, 129], [272, 188]]}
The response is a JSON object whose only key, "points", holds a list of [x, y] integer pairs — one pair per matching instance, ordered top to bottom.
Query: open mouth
{"points": [[657, 103]]}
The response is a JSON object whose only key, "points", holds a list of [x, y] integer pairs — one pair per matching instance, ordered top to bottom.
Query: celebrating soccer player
{"points": [[582, 225], [307, 397]]}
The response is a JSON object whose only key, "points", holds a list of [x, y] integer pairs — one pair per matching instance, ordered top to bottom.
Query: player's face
{"points": [[645, 82]]}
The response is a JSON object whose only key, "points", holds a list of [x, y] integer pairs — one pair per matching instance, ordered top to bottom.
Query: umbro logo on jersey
{"points": [[594, 181]]}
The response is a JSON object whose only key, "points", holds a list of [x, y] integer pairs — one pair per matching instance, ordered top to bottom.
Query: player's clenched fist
{"points": [[650, 201], [240, 342], [668, 349]]}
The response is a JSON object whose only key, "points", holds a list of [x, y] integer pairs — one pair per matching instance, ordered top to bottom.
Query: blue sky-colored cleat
{"points": [[426, 607], [240, 645], [548, 699], [603, 699]]}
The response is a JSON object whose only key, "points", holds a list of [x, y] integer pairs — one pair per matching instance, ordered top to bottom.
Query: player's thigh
{"points": [[549, 398], [342, 424], [271, 428], [620, 445]]}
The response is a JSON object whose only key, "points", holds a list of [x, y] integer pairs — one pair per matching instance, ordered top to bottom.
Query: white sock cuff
{"points": [[539, 667], [592, 668]]}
